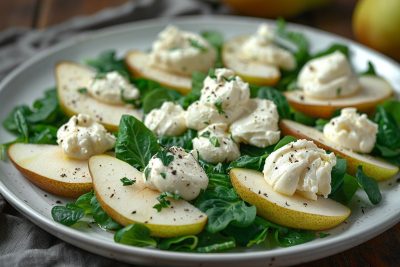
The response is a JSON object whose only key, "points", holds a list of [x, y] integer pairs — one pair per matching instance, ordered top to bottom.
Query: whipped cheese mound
{"points": [[260, 47], [182, 52], [328, 77], [112, 88], [227, 92], [199, 115], [168, 120], [259, 127], [352, 131], [82, 137], [214, 144], [300, 167], [180, 173]]}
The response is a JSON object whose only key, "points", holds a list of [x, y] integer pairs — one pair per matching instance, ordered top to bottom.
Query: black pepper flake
{"points": [[302, 98], [276, 168], [174, 172], [63, 175], [259, 192], [112, 195], [265, 195], [58, 202], [287, 204], [305, 204], [186, 210], [133, 212]]}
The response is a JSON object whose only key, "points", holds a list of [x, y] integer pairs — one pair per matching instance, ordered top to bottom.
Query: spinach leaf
{"points": [[217, 41], [344, 49], [107, 61], [267, 92], [194, 95], [155, 98], [392, 107], [46, 109], [302, 118], [9, 122], [320, 124], [22, 125], [388, 129], [43, 134], [184, 140], [284, 141], [135, 143], [254, 151], [165, 156], [248, 162], [219, 168], [338, 173], [216, 179], [369, 185], [345, 192], [83, 202], [223, 206], [67, 215], [101, 217], [135, 235], [247, 236], [293, 237], [214, 242], [180, 243]]}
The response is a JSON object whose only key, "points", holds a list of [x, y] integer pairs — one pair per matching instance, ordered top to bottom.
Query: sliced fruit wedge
{"points": [[138, 64], [250, 71], [70, 78], [374, 90], [372, 166], [47, 167], [134, 203], [291, 211]]}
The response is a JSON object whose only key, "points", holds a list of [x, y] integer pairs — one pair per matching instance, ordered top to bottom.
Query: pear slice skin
{"points": [[138, 64], [250, 71], [70, 77], [373, 91], [47, 167], [374, 167], [134, 203], [291, 211]]}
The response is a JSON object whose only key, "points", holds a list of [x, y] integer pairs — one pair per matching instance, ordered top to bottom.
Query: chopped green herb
{"points": [[194, 43], [100, 75], [83, 90], [338, 91], [218, 105], [206, 134], [214, 141], [165, 156], [147, 171], [163, 175], [126, 181], [164, 202]]}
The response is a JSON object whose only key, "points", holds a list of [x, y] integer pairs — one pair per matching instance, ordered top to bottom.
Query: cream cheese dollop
{"points": [[260, 47], [182, 52], [328, 77], [112, 88], [227, 92], [168, 120], [259, 126], [352, 131], [82, 137], [214, 144], [300, 167], [183, 175]]}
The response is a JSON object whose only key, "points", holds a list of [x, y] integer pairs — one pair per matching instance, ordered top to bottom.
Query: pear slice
{"points": [[139, 64], [251, 71], [71, 77], [373, 91], [372, 166], [47, 167], [134, 203], [291, 211]]}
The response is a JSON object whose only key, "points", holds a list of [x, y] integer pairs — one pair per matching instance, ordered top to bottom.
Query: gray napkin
{"points": [[21, 242]]}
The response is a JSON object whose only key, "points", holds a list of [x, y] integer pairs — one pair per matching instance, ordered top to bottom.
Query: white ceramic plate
{"points": [[29, 81]]}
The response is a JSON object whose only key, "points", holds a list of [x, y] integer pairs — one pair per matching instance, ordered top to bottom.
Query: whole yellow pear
{"points": [[376, 23]]}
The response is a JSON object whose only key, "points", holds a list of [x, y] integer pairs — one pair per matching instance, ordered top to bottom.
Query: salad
{"points": [[205, 144]]}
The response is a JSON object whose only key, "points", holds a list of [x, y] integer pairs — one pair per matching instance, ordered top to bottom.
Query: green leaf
{"points": [[216, 39], [194, 43], [344, 49], [107, 61], [82, 90], [194, 95], [155, 98], [218, 106], [302, 118], [9, 122], [320, 124], [22, 125], [388, 129], [43, 134], [184, 140], [214, 141], [284, 141], [135, 143], [254, 151], [165, 156], [248, 162], [338, 173], [216, 179], [126, 181], [369, 185], [346, 190], [83, 202], [163, 202], [223, 207], [67, 215], [101, 217], [135, 235], [247, 236], [293, 237], [180, 243], [214, 243]]}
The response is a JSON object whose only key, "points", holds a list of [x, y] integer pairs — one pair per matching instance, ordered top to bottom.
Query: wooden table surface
{"points": [[383, 250]]}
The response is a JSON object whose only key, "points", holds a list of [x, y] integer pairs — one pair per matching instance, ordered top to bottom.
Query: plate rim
{"points": [[66, 233]]}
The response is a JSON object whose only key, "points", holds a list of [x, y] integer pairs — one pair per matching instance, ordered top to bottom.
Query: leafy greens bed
{"points": [[231, 221]]}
